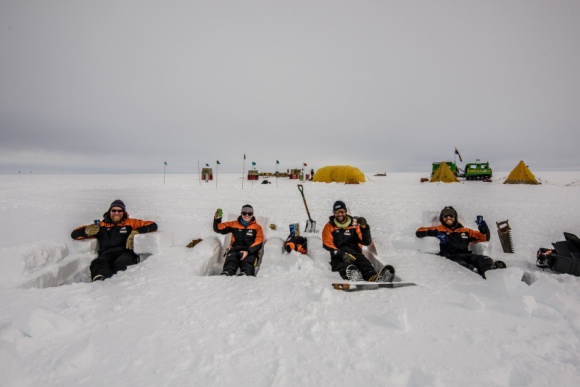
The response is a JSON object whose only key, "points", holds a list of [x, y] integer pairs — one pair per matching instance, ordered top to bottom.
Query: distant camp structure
{"points": [[450, 164], [206, 174], [340, 174], [444, 174], [521, 174]]}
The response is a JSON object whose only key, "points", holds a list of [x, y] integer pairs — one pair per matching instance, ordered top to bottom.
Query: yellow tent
{"points": [[340, 174], [444, 174], [521, 175]]}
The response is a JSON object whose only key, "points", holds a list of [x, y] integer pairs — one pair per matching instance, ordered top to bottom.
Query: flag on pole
{"points": [[457, 153], [244, 156], [165, 162], [217, 162], [277, 162], [253, 163], [206, 164], [305, 164]]}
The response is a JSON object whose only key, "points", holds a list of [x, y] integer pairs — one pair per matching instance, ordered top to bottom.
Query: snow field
{"points": [[167, 322]]}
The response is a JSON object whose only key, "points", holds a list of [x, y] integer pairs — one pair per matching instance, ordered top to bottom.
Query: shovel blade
{"points": [[310, 226]]}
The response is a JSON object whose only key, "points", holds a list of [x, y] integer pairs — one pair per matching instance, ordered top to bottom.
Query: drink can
{"points": [[294, 229]]}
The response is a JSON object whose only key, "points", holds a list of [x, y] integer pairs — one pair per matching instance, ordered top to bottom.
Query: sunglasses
{"points": [[113, 210], [340, 212], [247, 213], [448, 216]]}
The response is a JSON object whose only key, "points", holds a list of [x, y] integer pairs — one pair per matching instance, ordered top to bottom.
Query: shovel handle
{"points": [[301, 189]]}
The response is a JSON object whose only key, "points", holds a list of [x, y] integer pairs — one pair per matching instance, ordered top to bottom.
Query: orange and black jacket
{"points": [[112, 237], [244, 238], [458, 238], [350, 239]]}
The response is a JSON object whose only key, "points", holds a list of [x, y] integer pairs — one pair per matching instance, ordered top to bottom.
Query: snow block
{"points": [[153, 242], [84, 246], [273, 247], [480, 248], [44, 254], [205, 255], [319, 255], [19, 262], [506, 281], [11, 367]]}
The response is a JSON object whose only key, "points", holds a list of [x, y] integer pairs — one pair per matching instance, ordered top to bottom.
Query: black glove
{"points": [[362, 222], [481, 225]]}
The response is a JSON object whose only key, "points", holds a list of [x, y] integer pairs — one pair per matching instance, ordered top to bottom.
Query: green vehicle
{"points": [[450, 164], [477, 171]]}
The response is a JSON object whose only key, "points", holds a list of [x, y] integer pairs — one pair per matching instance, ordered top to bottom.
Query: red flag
{"points": [[305, 164]]}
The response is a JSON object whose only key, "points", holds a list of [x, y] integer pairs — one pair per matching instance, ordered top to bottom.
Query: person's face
{"points": [[116, 214], [247, 216], [340, 216], [448, 220]]}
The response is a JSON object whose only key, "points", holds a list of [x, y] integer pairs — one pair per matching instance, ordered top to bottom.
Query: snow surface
{"points": [[169, 322]]}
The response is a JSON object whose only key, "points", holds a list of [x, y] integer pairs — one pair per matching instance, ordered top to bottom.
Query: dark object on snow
{"points": [[266, 182], [505, 236], [194, 242], [296, 243], [563, 258]]}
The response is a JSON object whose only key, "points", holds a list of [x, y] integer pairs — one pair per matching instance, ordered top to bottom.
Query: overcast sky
{"points": [[124, 86]]}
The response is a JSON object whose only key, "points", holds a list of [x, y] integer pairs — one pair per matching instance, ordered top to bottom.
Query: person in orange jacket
{"points": [[115, 234], [343, 236], [454, 239], [247, 241]]}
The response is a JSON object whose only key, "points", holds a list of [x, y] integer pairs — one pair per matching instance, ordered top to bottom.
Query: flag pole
{"points": [[164, 164], [243, 170], [198, 172], [216, 172], [276, 173]]}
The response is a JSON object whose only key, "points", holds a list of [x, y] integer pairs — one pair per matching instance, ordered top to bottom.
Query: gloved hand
{"points": [[218, 213], [362, 222], [481, 225], [91, 230], [443, 239], [129, 244], [348, 258]]}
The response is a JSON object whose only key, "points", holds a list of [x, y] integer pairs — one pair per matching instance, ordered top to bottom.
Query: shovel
{"points": [[310, 224]]}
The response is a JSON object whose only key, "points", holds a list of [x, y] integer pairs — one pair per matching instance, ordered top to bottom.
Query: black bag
{"points": [[298, 243], [563, 258]]}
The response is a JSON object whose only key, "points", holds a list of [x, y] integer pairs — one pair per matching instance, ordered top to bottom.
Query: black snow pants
{"points": [[233, 262], [110, 263], [362, 263], [481, 263]]}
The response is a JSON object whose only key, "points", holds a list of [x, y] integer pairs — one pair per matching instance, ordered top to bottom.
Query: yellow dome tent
{"points": [[340, 174], [444, 174], [521, 174]]}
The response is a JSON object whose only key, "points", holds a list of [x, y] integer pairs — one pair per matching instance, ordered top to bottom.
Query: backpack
{"points": [[296, 243], [563, 258]]}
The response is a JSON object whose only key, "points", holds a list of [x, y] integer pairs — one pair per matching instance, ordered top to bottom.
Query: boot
{"points": [[353, 273], [387, 274]]}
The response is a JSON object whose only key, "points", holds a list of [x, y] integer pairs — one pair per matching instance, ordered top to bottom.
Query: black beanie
{"points": [[117, 203], [338, 205], [247, 208], [448, 211]]}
